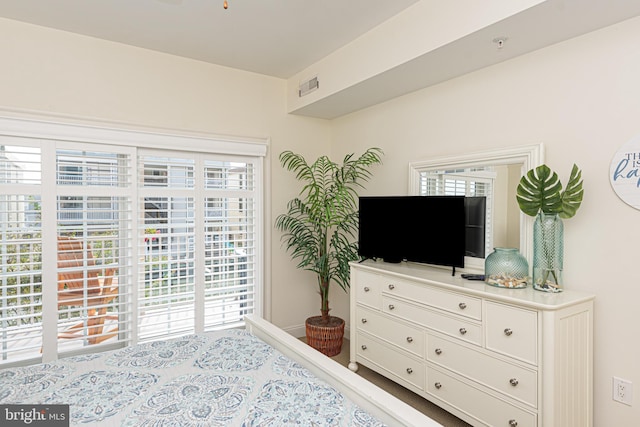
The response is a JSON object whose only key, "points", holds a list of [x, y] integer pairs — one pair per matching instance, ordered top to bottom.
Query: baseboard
{"points": [[298, 331]]}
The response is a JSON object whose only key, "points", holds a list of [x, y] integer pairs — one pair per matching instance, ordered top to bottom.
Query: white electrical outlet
{"points": [[622, 391]]}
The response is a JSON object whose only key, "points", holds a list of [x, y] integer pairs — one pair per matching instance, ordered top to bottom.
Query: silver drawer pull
{"points": [[392, 287], [366, 289], [391, 306], [462, 306], [364, 320], [463, 331], [508, 332], [409, 339], [364, 347], [438, 351], [409, 371], [513, 382], [438, 386], [513, 423]]}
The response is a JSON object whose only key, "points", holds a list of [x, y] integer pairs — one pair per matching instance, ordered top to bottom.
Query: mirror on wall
{"points": [[492, 176]]}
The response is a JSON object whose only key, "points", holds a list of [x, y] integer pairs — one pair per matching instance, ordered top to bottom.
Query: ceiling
{"points": [[273, 37], [281, 38]]}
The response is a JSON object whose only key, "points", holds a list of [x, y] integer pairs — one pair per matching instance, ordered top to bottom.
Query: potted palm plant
{"points": [[540, 195], [320, 230]]}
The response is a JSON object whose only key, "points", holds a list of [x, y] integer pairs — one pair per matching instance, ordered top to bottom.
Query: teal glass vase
{"points": [[548, 252], [506, 268]]}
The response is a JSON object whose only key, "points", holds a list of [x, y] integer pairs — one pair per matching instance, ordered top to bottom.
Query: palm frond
{"points": [[320, 225]]}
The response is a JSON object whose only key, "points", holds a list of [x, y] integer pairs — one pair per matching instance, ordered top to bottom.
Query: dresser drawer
{"points": [[367, 287], [452, 302], [454, 326], [512, 331], [407, 337], [400, 365], [514, 381], [489, 410]]}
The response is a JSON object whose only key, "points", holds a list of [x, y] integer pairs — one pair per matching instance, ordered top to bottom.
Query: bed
{"points": [[259, 376]]}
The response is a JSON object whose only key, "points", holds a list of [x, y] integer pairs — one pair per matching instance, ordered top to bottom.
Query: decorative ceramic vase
{"points": [[548, 247], [506, 268]]}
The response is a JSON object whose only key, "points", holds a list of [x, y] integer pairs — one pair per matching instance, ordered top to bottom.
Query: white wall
{"points": [[429, 24], [70, 76], [581, 98]]}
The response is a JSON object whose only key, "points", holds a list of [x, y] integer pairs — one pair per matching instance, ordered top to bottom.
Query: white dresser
{"points": [[491, 356]]}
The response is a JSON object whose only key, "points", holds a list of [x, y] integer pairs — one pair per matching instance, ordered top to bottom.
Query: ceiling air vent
{"points": [[308, 86]]}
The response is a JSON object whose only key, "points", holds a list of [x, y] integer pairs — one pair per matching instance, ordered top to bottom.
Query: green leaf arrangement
{"points": [[540, 190]]}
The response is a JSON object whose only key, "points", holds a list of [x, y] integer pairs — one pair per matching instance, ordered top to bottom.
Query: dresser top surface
{"points": [[442, 278]]}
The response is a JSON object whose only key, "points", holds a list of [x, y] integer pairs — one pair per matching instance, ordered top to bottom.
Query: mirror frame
{"points": [[529, 156]]}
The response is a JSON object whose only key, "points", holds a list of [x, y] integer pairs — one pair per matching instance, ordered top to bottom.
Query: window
{"points": [[106, 244]]}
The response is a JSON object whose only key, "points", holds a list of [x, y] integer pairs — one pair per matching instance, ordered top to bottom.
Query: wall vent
{"points": [[308, 86]]}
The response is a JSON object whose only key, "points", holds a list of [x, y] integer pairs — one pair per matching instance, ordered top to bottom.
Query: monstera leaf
{"points": [[540, 190], [572, 195]]}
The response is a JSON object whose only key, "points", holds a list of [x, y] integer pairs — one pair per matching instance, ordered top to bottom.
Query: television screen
{"points": [[425, 229]]}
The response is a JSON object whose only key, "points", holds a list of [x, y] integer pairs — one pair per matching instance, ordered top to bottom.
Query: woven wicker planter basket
{"points": [[327, 339]]}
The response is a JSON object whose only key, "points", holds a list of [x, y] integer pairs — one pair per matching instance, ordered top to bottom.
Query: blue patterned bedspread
{"points": [[226, 378]]}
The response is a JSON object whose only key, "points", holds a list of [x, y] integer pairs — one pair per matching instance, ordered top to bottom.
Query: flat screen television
{"points": [[425, 229]]}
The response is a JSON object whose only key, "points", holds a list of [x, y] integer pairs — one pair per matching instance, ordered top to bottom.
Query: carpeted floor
{"points": [[421, 404]]}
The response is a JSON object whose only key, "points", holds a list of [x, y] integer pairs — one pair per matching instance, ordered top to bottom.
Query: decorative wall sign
{"points": [[625, 172]]}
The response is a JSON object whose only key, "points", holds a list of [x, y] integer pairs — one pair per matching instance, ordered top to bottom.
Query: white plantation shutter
{"points": [[94, 209], [102, 222], [199, 222], [177, 233], [230, 241], [20, 250], [166, 296]]}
